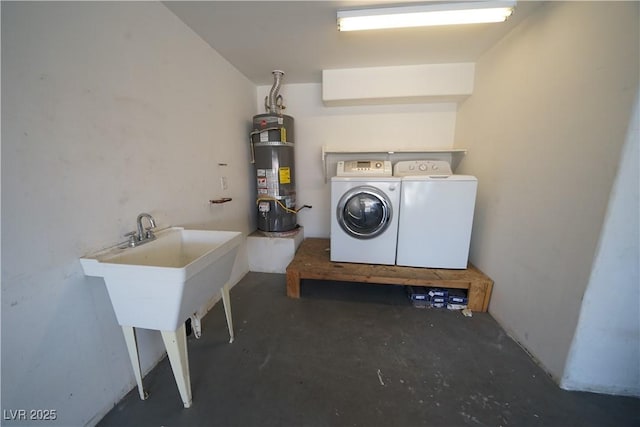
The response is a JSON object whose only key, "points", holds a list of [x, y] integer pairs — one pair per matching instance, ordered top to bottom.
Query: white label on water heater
{"points": [[264, 136], [273, 186], [263, 207]]}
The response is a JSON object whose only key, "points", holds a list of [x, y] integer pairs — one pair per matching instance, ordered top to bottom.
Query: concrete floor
{"points": [[349, 354]]}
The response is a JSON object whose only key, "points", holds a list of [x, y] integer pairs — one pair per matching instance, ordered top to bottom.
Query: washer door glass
{"points": [[364, 212]]}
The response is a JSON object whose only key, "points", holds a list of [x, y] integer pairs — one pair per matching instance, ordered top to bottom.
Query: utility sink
{"points": [[162, 283]]}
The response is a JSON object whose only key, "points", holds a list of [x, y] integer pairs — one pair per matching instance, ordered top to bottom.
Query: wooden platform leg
{"points": [[293, 283], [487, 294], [480, 295]]}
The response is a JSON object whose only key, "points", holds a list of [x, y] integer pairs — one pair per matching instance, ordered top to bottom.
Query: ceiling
{"points": [[301, 37]]}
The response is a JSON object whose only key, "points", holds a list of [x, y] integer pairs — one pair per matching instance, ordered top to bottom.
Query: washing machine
{"points": [[364, 212], [436, 215]]}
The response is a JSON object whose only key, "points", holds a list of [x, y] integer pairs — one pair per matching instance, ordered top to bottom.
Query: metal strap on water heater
{"points": [[251, 144], [273, 144]]}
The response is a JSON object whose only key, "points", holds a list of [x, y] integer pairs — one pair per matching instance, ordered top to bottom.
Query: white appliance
{"points": [[436, 215], [364, 217]]}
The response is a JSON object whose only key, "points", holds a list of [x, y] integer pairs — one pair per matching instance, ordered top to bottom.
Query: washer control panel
{"points": [[422, 167], [364, 168]]}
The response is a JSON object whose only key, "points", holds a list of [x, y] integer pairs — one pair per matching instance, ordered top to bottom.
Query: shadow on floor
{"points": [[349, 354]]}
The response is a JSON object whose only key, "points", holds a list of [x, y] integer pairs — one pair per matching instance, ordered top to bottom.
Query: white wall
{"points": [[108, 110], [381, 127], [544, 128], [605, 354]]}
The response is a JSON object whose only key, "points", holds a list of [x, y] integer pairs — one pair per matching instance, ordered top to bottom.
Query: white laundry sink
{"points": [[162, 283]]}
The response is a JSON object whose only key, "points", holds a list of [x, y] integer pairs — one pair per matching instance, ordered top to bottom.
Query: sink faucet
{"points": [[148, 235], [142, 236]]}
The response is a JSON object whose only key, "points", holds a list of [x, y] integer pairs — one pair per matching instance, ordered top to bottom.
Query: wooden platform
{"points": [[312, 262]]}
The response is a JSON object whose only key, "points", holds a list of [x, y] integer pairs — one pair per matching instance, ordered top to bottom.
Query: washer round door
{"points": [[364, 212]]}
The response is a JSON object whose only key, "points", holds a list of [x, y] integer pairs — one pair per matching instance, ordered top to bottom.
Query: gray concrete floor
{"points": [[349, 354]]}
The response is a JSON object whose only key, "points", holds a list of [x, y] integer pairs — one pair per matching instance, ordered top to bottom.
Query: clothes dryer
{"points": [[436, 215], [364, 218]]}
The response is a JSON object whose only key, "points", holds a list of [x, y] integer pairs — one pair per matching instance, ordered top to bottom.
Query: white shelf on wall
{"points": [[331, 155]]}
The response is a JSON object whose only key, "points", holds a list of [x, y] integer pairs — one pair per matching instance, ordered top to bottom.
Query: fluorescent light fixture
{"points": [[425, 15]]}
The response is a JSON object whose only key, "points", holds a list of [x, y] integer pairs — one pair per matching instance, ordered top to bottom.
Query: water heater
{"points": [[272, 141]]}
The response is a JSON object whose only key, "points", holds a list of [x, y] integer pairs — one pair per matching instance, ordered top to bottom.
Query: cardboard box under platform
{"points": [[312, 261]]}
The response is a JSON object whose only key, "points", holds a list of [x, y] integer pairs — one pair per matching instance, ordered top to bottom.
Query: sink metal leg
{"points": [[226, 301], [176, 345], [132, 347]]}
